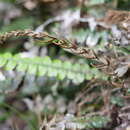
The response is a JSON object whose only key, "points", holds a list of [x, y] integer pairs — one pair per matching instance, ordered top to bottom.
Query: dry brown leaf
{"points": [[115, 17]]}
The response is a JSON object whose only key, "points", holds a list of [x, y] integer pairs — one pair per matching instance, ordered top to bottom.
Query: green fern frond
{"points": [[52, 68], [96, 121]]}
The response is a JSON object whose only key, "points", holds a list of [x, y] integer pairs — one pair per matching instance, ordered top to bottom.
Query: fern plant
{"points": [[45, 66], [56, 68]]}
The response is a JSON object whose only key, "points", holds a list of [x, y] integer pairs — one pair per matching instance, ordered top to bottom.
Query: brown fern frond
{"points": [[85, 52]]}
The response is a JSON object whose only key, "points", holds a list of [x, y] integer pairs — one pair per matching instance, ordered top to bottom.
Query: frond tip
{"points": [[45, 66]]}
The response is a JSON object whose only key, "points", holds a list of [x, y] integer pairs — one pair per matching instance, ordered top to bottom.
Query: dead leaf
{"points": [[114, 17]]}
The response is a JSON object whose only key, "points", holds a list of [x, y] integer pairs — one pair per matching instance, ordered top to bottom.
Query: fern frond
{"points": [[63, 43], [52, 68], [96, 121], [93, 122]]}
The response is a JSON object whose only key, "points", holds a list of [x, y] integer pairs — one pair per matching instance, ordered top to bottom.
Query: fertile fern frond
{"points": [[63, 43], [52, 68]]}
